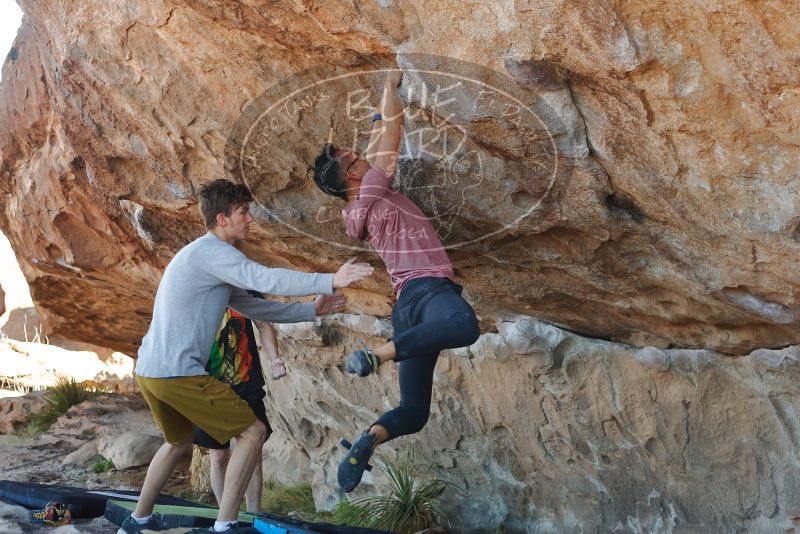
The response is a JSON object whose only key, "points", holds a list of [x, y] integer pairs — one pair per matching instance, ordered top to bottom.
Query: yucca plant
{"points": [[65, 394], [410, 505]]}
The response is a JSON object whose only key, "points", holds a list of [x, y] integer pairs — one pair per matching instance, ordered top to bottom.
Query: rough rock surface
{"points": [[673, 219], [670, 221], [14, 411], [105, 420], [542, 430], [76, 437], [130, 449], [62, 453], [65, 454]]}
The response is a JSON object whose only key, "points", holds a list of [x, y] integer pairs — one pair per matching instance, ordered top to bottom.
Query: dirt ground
{"points": [[39, 458]]}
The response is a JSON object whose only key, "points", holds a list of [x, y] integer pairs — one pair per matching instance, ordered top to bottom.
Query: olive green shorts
{"points": [[181, 403]]}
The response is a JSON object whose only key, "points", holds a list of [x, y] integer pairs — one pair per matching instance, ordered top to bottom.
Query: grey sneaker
{"points": [[130, 526]]}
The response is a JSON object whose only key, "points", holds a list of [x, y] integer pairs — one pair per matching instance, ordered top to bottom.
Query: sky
{"points": [[10, 19]]}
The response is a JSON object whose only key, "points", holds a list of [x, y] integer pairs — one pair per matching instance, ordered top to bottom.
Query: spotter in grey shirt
{"points": [[205, 277]]}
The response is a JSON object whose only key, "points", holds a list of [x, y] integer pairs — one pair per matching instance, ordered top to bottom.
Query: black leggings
{"points": [[430, 316]]}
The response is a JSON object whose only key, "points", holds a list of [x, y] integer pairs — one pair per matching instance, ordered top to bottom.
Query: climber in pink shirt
{"points": [[430, 314]]}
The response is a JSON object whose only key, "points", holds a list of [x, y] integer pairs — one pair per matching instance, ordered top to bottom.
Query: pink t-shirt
{"points": [[398, 231]]}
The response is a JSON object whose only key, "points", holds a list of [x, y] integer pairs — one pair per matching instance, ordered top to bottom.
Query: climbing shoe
{"points": [[362, 362], [356, 461], [54, 514], [131, 526]]}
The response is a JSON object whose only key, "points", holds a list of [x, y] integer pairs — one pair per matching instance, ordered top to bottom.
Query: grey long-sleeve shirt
{"points": [[205, 277]]}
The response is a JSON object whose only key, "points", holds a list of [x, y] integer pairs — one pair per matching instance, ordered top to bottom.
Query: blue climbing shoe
{"points": [[361, 362], [356, 461]]}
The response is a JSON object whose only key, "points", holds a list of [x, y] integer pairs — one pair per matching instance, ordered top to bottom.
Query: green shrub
{"points": [[60, 398], [102, 465], [281, 500], [409, 507]]}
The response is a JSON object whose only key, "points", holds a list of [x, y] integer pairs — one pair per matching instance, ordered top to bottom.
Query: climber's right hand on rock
{"points": [[350, 273]]}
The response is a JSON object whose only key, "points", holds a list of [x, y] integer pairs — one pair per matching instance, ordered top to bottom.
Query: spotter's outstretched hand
{"points": [[350, 273], [326, 304]]}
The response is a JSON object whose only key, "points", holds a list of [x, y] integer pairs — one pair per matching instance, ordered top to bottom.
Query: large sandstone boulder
{"points": [[625, 171], [542, 430]]}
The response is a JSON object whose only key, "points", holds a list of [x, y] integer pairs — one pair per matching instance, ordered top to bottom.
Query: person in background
{"points": [[236, 360]]}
